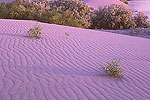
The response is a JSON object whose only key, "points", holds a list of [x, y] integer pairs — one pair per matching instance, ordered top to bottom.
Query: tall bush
{"points": [[77, 8], [3, 10], [12, 10], [17, 12], [113, 17], [64, 18], [141, 20]]}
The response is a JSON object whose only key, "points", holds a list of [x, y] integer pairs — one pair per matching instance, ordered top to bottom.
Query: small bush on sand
{"points": [[113, 17], [35, 32], [67, 34], [113, 68]]}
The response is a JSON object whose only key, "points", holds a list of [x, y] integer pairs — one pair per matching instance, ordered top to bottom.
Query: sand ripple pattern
{"points": [[59, 67]]}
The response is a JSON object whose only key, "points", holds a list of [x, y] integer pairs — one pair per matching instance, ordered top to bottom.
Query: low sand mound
{"points": [[96, 3], [60, 67]]}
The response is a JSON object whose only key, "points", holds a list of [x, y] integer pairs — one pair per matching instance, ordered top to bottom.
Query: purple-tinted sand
{"points": [[96, 3], [60, 67]]}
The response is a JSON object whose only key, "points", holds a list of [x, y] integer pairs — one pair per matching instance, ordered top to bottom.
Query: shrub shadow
{"points": [[13, 35], [18, 35], [81, 72]]}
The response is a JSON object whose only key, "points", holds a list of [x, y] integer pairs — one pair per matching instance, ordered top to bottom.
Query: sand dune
{"points": [[96, 3], [56, 67]]}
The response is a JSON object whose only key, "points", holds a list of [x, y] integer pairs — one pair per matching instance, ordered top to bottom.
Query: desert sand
{"points": [[96, 3], [60, 67]]}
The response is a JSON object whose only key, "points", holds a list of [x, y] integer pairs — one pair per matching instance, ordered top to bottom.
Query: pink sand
{"points": [[96, 3], [56, 67]]}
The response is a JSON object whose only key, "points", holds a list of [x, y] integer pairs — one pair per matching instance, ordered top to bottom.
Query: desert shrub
{"points": [[125, 1], [10, 5], [77, 8], [3, 10], [12, 10], [17, 12], [63, 12], [31, 14], [113, 17], [63, 18], [141, 20], [35, 32], [67, 34], [113, 68]]}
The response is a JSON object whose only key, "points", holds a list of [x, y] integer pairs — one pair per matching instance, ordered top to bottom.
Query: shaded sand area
{"points": [[138, 32], [59, 67]]}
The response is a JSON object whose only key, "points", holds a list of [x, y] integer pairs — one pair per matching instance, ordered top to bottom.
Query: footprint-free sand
{"points": [[60, 67]]}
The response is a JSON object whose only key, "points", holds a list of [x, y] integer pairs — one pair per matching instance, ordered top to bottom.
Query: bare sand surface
{"points": [[96, 3], [60, 67]]}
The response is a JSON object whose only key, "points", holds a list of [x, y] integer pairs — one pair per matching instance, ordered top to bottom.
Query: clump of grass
{"points": [[35, 32], [67, 34], [113, 68]]}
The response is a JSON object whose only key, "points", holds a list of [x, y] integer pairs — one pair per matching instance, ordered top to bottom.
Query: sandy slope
{"points": [[96, 3], [56, 67]]}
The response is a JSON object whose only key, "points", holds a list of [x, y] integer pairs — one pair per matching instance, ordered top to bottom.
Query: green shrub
{"points": [[78, 9], [3, 10], [13, 10], [17, 12], [63, 12], [31, 14], [113, 17], [63, 18], [141, 20], [35, 32], [113, 68]]}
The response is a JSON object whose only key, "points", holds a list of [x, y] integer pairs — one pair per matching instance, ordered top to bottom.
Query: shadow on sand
{"points": [[17, 35]]}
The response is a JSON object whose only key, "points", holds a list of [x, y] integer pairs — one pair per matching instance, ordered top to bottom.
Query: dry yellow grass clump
{"points": [[35, 32], [113, 68]]}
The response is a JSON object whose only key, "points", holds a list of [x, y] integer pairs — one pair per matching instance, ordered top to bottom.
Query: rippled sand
{"points": [[60, 67]]}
